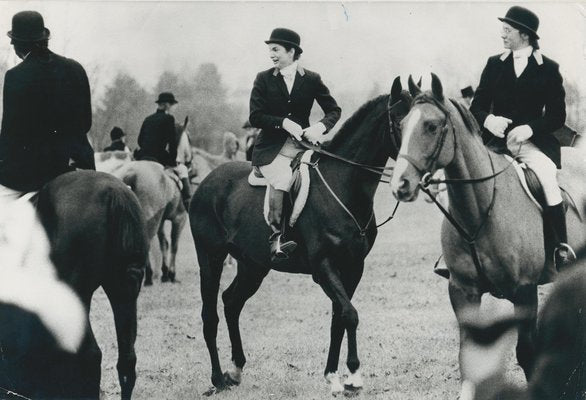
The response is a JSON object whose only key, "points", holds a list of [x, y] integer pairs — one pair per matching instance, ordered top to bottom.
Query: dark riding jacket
{"points": [[536, 98], [271, 103], [47, 114], [157, 133], [116, 145]]}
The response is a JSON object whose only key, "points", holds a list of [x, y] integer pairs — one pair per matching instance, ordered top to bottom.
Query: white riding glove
{"points": [[497, 125], [293, 128], [314, 133], [518, 135]]}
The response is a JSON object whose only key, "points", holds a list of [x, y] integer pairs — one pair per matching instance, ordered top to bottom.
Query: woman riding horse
{"points": [[516, 86], [280, 104]]}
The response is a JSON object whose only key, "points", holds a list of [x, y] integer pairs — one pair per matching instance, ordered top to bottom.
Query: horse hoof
{"points": [[172, 277], [164, 278], [148, 282], [229, 380], [336, 386], [214, 390], [351, 391]]}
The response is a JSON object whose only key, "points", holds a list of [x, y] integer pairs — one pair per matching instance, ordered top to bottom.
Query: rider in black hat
{"points": [[520, 102], [280, 104], [47, 112], [117, 136], [158, 140]]}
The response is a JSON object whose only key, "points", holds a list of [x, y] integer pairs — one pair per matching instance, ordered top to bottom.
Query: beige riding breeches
{"points": [[278, 173]]}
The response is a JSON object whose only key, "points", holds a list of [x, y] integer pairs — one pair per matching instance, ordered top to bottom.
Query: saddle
{"points": [[299, 187], [533, 188]]}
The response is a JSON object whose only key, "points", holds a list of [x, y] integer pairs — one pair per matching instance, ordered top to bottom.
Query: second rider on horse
{"points": [[280, 104]]}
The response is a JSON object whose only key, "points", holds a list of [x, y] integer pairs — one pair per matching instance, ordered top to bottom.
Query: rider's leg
{"points": [[183, 174], [278, 174], [554, 214]]}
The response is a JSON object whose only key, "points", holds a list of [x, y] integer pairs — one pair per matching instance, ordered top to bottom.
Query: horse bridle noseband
{"points": [[370, 168]]}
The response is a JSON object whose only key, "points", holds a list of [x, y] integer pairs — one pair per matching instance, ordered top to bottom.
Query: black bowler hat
{"points": [[520, 17], [28, 26], [285, 36], [467, 92], [166, 97], [116, 133]]}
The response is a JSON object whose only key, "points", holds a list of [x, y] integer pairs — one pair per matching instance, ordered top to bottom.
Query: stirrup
{"points": [[280, 251], [564, 255]]}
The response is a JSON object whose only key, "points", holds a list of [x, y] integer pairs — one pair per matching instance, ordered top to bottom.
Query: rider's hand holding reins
{"points": [[497, 125], [293, 128], [314, 133], [518, 135]]}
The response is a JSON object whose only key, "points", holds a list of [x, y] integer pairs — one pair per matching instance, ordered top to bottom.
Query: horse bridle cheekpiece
{"points": [[427, 170]]}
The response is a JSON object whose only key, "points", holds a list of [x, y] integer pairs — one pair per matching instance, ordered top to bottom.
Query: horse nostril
{"points": [[404, 184]]}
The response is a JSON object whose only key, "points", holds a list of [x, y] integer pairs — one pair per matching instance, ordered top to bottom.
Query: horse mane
{"points": [[351, 124]]}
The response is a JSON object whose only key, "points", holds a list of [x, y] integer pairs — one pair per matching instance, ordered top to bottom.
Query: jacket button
{"points": [[288, 101], [288, 114]]}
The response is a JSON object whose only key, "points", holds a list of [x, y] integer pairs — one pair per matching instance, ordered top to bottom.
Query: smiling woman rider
{"points": [[280, 104]]}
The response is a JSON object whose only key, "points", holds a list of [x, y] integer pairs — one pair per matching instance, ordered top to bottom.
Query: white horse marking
{"points": [[235, 373], [354, 380], [335, 384]]}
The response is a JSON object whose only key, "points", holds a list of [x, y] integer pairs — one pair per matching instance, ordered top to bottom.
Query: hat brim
{"points": [[518, 24], [45, 36], [285, 42], [166, 101]]}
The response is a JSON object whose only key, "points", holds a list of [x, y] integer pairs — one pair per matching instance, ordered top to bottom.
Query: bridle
{"points": [[376, 169], [427, 179]]}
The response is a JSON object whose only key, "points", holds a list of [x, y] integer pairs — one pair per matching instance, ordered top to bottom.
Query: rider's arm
{"points": [[327, 103], [554, 116], [259, 117]]}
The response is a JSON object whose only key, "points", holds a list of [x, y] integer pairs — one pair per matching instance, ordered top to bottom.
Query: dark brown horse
{"points": [[226, 216], [97, 234]]}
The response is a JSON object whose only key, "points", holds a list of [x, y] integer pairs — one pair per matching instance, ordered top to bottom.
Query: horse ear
{"points": [[419, 82], [436, 87], [396, 88], [413, 88], [186, 120]]}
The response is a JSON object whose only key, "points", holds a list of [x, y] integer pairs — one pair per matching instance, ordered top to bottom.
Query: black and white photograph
{"points": [[292, 200]]}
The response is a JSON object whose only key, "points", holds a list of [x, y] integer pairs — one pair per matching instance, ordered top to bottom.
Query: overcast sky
{"points": [[352, 44]]}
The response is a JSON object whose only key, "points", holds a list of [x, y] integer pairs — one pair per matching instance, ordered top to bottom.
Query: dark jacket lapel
{"points": [[299, 81], [280, 82]]}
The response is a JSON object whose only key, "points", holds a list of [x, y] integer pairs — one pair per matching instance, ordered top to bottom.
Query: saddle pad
{"points": [[520, 170], [301, 183]]}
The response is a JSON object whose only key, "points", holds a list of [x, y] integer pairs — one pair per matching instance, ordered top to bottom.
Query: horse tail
{"points": [[128, 238]]}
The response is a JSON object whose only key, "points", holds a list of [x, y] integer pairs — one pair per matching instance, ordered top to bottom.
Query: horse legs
{"points": [[177, 225], [164, 244], [148, 273], [210, 273], [244, 286], [123, 295], [463, 301], [525, 302], [344, 317], [86, 375]]}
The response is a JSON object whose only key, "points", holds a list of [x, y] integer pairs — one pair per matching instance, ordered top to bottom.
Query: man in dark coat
{"points": [[521, 101], [280, 104], [47, 112], [158, 141]]}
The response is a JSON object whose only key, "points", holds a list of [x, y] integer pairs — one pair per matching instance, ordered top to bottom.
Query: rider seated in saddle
{"points": [[514, 89], [280, 104], [46, 114], [117, 136], [157, 141]]}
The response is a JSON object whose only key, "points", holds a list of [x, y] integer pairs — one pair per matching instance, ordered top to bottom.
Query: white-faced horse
{"points": [[493, 236]]}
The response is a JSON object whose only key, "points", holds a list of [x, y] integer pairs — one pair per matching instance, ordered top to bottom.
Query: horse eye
{"points": [[431, 127]]}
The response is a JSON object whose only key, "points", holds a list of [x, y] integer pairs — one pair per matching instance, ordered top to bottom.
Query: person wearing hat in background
{"points": [[467, 95], [520, 100], [280, 105], [46, 113], [250, 139], [157, 141], [118, 144]]}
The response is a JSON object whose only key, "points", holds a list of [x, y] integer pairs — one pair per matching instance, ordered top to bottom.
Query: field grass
{"points": [[407, 335]]}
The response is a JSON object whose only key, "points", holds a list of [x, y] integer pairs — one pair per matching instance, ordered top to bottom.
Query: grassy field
{"points": [[407, 335]]}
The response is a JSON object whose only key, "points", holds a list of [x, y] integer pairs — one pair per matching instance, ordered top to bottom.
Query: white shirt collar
{"points": [[525, 52], [536, 54], [289, 70]]}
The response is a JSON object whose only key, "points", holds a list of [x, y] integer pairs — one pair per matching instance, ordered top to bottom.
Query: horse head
{"points": [[377, 123], [427, 144]]}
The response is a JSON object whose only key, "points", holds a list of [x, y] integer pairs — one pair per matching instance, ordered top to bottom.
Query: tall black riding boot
{"points": [[186, 192], [280, 249], [563, 254]]}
